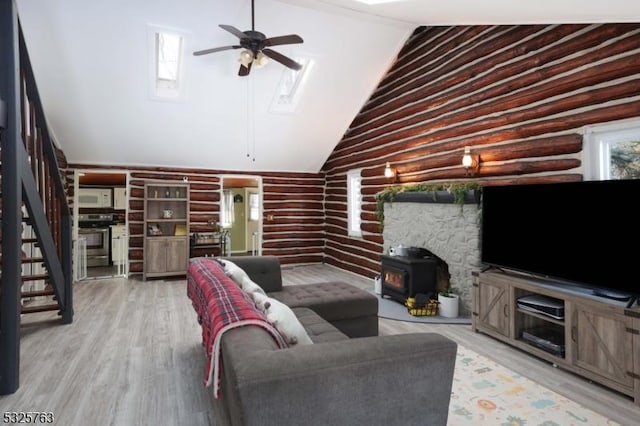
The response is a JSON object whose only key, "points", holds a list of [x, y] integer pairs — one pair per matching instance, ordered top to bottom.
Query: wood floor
{"points": [[133, 356]]}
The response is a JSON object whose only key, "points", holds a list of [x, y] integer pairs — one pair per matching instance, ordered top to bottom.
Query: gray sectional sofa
{"points": [[348, 376]]}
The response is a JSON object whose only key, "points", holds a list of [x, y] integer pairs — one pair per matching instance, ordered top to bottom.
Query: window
{"points": [[167, 63], [290, 87], [613, 152], [354, 202], [254, 206], [227, 213]]}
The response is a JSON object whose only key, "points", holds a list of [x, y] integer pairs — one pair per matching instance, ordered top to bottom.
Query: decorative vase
{"points": [[448, 307]]}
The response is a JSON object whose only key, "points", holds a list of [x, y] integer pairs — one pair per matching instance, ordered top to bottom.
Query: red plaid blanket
{"points": [[221, 305]]}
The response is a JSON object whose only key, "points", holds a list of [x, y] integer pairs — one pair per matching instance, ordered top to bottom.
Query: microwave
{"points": [[95, 197]]}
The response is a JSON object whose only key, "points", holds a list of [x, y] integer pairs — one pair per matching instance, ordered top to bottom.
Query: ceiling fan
{"points": [[256, 47]]}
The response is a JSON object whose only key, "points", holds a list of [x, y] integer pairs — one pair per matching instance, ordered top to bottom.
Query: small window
{"points": [[167, 63], [613, 152], [354, 202], [254, 207], [227, 212]]}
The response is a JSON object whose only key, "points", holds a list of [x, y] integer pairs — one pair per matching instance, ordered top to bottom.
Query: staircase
{"points": [[35, 232]]}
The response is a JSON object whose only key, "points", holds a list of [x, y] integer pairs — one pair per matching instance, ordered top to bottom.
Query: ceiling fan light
{"points": [[246, 57], [261, 60]]}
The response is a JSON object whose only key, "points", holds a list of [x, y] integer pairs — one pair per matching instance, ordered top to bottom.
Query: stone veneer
{"points": [[450, 231]]}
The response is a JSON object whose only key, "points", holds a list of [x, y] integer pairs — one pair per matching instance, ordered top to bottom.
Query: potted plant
{"points": [[448, 303]]}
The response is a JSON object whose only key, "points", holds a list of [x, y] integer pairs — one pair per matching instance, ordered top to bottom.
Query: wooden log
{"points": [[596, 36], [452, 57], [449, 127], [285, 197], [196, 206], [279, 219], [293, 228], [293, 244]]}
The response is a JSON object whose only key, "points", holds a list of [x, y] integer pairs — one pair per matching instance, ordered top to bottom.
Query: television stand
{"points": [[594, 337]]}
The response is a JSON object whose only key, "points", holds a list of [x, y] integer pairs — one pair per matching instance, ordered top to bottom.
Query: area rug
{"points": [[391, 309], [486, 393]]}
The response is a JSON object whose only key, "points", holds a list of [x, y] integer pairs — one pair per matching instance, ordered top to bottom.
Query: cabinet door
{"points": [[106, 198], [119, 199], [118, 244], [176, 255], [156, 258], [493, 306], [602, 343]]}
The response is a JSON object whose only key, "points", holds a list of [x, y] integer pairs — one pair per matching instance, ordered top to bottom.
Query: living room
{"points": [[529, 103]]}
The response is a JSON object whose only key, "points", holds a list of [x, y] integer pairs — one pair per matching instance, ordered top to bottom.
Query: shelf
{"points": [[167, 199], [541, 316]]}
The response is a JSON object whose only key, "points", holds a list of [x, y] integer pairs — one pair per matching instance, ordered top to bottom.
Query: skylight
{"points": [[168, 54], [166, 57], [291, 85]]}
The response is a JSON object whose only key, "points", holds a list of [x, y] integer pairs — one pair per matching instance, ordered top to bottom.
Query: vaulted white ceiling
{"points": [[92, 64]]}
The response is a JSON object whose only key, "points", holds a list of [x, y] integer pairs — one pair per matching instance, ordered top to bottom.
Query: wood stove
{"points": [[404, 277]]}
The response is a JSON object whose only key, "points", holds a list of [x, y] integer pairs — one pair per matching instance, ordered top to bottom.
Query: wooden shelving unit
{"points": [[166, 225], [599, 335]]}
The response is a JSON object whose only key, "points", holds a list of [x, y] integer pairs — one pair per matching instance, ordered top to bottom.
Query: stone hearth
{"points": [[450, 231]]}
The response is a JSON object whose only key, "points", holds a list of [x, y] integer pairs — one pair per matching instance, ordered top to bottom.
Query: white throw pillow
{"points": [[234, 271], [250, 287], [260, 299], [283, 318]]}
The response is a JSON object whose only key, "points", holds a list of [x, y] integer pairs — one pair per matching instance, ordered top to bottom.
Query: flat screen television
{"points": [[586, 233]]}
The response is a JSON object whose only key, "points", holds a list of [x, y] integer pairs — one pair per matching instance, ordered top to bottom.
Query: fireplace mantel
{"points": [[471, 196]]}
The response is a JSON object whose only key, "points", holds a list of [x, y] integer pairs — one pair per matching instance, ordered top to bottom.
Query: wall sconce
{"points": [[470, 161], [389, 173]]}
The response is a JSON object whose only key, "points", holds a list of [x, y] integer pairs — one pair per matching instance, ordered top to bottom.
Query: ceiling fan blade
{"points": [[233, 30], [285, 39], [215, 49], [287, 62], [244, 71]]}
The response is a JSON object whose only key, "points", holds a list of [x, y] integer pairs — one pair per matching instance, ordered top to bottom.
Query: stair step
{"points": [[26, 240], [35, 277], [37, 293], [40, 308]]}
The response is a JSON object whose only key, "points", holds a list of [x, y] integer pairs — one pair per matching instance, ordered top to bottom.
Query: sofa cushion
{"points": [[263, 270], [331, 300], [318, 329]]}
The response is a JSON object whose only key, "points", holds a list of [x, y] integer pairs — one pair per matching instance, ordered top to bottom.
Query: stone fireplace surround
{"points": [[450, 231]]}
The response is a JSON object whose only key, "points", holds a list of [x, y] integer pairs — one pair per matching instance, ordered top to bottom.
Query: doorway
{"points": [[241, 213], [100, 237]]}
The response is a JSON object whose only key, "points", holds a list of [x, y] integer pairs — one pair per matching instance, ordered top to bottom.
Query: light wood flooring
{"points": [[133, 356]]}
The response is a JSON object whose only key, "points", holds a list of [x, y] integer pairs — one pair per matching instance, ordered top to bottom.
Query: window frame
{"points": [[598, 140], [354, 203]]}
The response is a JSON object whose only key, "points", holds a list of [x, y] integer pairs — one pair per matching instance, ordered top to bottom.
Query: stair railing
{"points": [[30, 177]]}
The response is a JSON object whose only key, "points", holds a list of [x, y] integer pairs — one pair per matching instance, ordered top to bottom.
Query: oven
{"points": [[95, 230]]}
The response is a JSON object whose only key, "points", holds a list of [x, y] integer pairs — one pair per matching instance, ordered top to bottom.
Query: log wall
{"points": [[519, 96], [293, 221]]}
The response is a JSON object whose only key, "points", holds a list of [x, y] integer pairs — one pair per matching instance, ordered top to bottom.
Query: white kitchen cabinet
{"points": [[119, 199], [119, 244]]}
